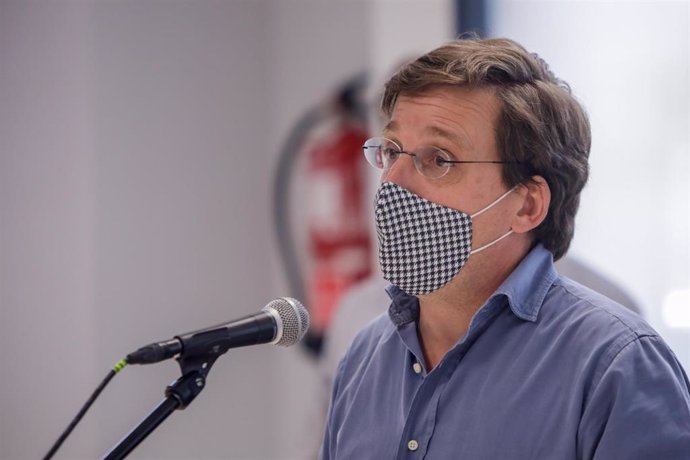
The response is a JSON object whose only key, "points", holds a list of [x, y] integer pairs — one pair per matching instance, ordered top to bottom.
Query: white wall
{"points": [[629, 63], [138, 141], [48, 331]]}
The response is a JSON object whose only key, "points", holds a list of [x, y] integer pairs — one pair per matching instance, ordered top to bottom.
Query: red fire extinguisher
{"points": [[339, 241], [338, 247]]}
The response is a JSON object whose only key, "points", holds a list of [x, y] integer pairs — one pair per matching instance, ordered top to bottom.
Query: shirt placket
{"points": [[422, 416]]}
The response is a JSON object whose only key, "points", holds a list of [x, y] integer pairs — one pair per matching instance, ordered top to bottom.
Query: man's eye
{"points": [[390, 153], [440, 161]]}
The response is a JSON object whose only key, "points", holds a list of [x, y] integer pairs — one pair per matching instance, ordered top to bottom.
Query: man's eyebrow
{"points": [[390, 126]]}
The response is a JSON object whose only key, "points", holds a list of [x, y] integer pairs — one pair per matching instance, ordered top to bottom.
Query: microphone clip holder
{"points": [[178, 395]]}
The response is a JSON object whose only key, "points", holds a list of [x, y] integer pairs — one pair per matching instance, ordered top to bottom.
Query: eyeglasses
{"points": [[430, 162]]}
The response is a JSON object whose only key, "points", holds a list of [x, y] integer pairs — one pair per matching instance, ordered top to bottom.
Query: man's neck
{"points": [[445, 315]]}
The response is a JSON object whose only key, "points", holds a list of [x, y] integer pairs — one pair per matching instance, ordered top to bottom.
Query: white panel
{"points": [[181, 212]]}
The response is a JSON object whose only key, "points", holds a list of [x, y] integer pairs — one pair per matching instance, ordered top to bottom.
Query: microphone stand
{"points": [[178, 396]]}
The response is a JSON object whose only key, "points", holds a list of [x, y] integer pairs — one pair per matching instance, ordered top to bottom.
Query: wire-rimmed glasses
{"points": [[431, 162]]}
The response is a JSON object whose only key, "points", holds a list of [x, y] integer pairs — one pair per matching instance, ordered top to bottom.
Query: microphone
{"points": [[282, 322]]}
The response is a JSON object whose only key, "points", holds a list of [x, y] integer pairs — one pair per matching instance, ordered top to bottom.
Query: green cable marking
{"points": [[118, 367]]}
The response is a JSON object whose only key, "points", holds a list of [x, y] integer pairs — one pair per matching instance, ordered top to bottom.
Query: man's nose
{"points": [[401, 172]]}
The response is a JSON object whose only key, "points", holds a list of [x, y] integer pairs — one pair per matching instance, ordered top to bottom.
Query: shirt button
{"points": [[417, 368], [412, 445]]}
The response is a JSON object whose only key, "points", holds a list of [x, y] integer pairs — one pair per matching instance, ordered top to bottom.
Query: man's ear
{"points": [[536, 196]]}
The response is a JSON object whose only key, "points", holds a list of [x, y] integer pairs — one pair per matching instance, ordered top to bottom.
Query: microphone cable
{"points": [[117, 368]]}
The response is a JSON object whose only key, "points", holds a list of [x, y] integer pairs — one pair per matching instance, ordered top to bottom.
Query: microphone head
{"points": [[292, 320]]}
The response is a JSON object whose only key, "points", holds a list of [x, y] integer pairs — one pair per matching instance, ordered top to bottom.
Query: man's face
{"points": [[462, 122]]}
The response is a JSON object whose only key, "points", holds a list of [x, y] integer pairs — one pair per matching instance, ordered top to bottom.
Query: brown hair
{"points": [[542, 130]]}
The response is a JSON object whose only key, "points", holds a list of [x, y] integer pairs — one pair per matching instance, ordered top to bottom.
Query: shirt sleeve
{"points": [[640, 407]]}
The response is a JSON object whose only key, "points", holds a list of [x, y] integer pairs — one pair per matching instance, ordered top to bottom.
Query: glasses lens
{"points": [[380, 152], [431, 162]]}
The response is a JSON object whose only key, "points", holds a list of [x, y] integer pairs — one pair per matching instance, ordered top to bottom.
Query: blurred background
{"points": [[145, 147]]}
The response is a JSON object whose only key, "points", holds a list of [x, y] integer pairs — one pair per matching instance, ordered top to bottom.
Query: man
{"points": [[486, 352]]}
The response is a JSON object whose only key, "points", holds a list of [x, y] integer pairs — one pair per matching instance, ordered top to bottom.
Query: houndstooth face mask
{"points": [[422, 245]]}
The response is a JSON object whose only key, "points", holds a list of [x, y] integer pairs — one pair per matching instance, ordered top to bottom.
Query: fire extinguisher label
{"points": [[325, 211]]}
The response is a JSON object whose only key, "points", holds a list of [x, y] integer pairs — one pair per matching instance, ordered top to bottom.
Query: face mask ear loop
{"points": [[496, 201], [492, 204], [474, 251]]}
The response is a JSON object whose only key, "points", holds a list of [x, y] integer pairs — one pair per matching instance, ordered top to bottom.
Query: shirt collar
{"points": [[525, 289]]}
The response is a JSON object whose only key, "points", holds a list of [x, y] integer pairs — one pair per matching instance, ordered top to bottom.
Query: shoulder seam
{"points": [[558, 283], [612, 355]]}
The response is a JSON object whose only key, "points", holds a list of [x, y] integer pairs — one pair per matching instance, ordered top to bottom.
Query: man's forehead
{"points": [[456, 112], [457, 136]]}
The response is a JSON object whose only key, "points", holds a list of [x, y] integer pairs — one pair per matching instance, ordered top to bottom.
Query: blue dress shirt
{"points": [[547, 370]]}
